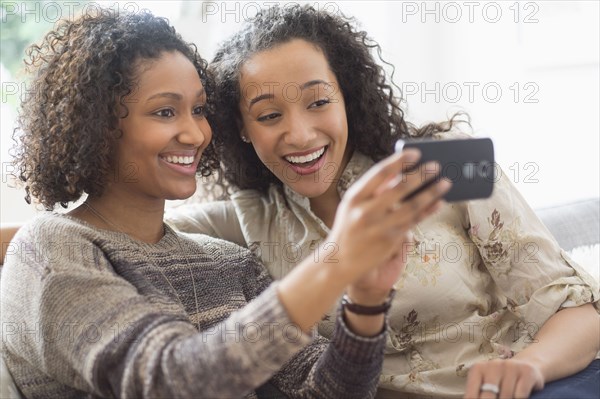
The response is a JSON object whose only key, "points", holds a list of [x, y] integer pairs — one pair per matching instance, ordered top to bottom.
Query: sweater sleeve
{"points": [[101, 336], [348, 366]]}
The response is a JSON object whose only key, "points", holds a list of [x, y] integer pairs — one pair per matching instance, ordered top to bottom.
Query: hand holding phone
{"points": [[468, 163]]}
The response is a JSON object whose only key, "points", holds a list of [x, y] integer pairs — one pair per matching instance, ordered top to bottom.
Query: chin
{"points": [[309, 190], [180, 194]]}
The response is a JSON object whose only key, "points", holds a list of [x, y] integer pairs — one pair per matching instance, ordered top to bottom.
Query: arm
{"points": [[216, 219], [370, 226], [7, 232], [366, 242], [544, 289], [565, 344], [139, 346], [348, 366]]}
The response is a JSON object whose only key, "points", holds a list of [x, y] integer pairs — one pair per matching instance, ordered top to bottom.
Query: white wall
{"points": [[547, 140]]}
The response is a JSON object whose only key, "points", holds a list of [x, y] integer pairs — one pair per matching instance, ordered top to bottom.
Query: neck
{"points": [[325, 205], [141, 219]]}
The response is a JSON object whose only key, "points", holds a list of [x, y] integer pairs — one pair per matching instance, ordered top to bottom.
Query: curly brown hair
{"points": [[82, 72], [375, 119]]}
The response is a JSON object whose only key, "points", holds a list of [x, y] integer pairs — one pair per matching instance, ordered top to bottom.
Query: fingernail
{"points": [[399, 145], [411, 154], [432, 166], [444, 185]]}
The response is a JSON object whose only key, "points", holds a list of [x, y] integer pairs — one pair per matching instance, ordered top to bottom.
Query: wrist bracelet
{"points": [[368, 310]]}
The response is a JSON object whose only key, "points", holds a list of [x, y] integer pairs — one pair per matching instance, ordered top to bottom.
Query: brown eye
{"points": [[319, 103], [200, 110], [165, 113], [268, 117]]}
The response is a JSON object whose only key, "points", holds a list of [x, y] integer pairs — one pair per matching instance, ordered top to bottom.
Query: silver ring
{"points": [[487, 387]]}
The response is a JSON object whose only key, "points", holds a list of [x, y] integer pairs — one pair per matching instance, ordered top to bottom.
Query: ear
{"points": [[242, 130], [244, 137]]}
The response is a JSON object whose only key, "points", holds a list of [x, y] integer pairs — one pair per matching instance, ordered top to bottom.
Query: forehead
{"points": [[297, 61], [172, 70]]}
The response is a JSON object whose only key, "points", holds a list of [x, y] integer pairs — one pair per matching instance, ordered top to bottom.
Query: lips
{"points": [[300, 159], [185, 162], [307, 162]]}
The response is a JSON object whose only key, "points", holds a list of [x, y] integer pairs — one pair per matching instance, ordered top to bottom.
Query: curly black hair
{"points": [[375, 119], [68, 124]]}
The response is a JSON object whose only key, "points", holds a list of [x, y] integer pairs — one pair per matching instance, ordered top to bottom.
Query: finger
{"points": [[383, 171], [411, 171], [421, 176], [389, 196], [429, 196], [409, 214], [405, 244], [489, 375], [492, 379], [474, 380], [509, 382], [490, 386], [523, 387]]}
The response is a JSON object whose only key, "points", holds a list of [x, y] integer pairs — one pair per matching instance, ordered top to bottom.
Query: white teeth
{"points": [[306, 158], [179, 159]]}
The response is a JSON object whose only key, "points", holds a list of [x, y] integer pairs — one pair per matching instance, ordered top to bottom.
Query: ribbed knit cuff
{"points": [[355, 348]]}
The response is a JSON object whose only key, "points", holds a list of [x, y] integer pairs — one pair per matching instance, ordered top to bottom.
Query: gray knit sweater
{"points": [[91, 313]]}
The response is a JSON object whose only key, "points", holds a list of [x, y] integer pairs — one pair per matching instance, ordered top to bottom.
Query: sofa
{"points": [[575, 225]]}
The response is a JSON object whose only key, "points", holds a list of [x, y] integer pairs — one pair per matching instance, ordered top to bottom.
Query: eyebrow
{"points": [[173, 96], [267, 96]]}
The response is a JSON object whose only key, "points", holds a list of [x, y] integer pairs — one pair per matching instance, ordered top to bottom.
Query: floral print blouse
{"points": [[481, 276]]}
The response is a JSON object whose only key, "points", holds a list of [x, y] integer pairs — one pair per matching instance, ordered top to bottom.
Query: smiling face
{"points": [[294, 115], [164, 132]]}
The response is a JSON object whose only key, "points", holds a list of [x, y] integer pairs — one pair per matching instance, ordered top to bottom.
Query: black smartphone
{"points": [[468, 163]]}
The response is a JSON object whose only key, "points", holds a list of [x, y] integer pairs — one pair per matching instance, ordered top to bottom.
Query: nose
{"points": [[195, 132], [299, 133]]}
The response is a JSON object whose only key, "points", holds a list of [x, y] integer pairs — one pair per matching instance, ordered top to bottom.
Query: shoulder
{"points": [[272, 193], [259, 203], [189, 211], [218, 219], [49, 227], [54, 244], [216, 248]]}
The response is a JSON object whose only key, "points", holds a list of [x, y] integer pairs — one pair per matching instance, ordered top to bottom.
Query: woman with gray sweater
{"points": [[108, 301]]}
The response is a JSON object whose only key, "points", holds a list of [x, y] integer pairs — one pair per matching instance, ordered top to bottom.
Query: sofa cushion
{"points": [[573, 224]]}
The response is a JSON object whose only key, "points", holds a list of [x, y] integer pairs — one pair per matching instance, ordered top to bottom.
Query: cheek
{"points": [[337, 125], [264, 141]]}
